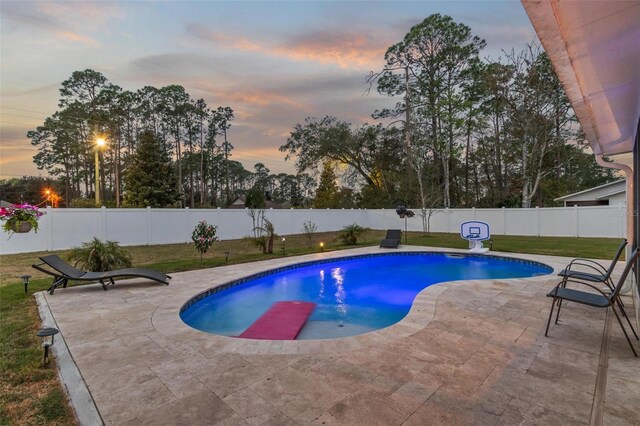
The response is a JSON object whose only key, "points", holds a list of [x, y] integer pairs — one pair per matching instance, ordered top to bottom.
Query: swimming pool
{"points": [[354, 295]]}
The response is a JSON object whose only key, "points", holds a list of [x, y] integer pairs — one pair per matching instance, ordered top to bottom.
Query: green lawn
{"points": [[32, 395]]}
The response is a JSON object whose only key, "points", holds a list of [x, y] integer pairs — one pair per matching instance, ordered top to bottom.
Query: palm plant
{"points": [[351, 233], [100, 256]]}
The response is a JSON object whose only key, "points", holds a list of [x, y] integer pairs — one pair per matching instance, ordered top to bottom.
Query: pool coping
{"points": [[166, 318]]}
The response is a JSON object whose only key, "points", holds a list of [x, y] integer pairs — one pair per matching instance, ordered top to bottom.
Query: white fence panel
{"points": [[456, 217], [494, 217], [593, 221], [521, 222], [558, 222], [168, 226], [74, 227], [128, 227], [65, 228]]}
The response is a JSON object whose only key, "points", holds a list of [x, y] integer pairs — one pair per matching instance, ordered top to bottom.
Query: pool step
{"points": [[282, 321]]}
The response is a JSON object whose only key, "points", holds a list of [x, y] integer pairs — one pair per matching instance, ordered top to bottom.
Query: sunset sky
{"points": [[274, 63]]}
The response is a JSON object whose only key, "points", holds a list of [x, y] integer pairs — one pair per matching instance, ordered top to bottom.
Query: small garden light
{"points": [[283, 240], [321, 246], [226, 257], [25, 281], [46, 335]]}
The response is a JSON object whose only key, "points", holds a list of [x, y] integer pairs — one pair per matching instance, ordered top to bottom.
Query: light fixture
{"points": [[283, 240], [321, 246], [226, 257], [25, 281], [46, 336]]}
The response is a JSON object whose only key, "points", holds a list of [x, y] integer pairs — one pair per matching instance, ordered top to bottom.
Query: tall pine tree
{"points": [[150, 179], [327, 195]]}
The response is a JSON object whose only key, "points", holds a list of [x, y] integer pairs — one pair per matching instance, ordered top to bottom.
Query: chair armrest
{"points": [[587, 264], [588, 285]]}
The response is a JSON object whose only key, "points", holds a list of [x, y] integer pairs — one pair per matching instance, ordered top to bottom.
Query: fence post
{"points": [[446, 211], [576, 217], [187, 221], [504, 221], [537, 221], [103, 223], [148, 225], [49, 239]]}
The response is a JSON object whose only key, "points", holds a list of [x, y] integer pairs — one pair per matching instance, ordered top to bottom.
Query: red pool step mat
{"points": [[282, 321]]}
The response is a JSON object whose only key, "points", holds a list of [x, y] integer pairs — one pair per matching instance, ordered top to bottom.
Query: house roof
{"points": [[593, 46], [621, 182], [611, 194]]}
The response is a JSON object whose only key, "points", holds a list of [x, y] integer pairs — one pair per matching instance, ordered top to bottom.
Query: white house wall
{"points": [[597, 193]]}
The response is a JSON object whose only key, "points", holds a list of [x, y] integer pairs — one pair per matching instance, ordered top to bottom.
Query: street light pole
{"points": [[100, 142], [97, 179]]}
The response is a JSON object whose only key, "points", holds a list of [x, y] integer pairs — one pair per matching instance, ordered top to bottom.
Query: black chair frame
{"points": [[598, 299]]}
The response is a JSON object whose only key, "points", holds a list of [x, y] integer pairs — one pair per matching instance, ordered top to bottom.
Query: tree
{"points": [[430, 67], [540, 117], [149, 180], [327, 195], [255, 202]]}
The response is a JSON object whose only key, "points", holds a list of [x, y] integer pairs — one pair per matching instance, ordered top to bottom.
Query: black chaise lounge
{"points": [[392, 239], [62, 273], [595, 297]]}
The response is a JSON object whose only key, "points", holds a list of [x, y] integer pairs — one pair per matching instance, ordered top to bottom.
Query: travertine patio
{"points": [[469, 352]]}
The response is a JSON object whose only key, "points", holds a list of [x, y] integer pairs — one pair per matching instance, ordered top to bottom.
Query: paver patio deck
{"points": [[469, 352]]}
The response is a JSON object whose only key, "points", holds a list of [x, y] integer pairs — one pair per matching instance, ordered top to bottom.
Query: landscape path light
{"points": [[283, 240], [226, 257], [25, 281], [46, 336]]}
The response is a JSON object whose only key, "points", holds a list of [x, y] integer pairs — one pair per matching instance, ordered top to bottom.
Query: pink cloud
{"points": [[70, 35], [344, 49], [347, 50]]}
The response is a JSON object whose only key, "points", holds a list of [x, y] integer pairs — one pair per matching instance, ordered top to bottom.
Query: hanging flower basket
{"points": [[20, 218], [21, 228]]}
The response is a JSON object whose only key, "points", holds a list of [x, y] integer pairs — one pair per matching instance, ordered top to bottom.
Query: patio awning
{"points": [[595, 49]]}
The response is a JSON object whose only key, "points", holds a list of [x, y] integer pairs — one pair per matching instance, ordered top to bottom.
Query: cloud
{"points": [[67, 21], [70, 35], [333, 47], [346, 49], [47, 90], [258, 97], [16, 153]]}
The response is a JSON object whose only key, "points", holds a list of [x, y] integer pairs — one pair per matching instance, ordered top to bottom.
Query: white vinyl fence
{"points": [[65, 228]]}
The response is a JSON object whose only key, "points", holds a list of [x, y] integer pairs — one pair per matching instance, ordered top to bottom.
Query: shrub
{"points": [[309, 229], [350, 234], [203, 236], [99, 256]]}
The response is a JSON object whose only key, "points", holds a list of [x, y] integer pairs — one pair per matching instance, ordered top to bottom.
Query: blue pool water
{"points": [[353, 295]]}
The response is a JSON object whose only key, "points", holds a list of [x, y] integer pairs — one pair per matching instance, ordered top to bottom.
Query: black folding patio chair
{"points": [[588, 270], [63, 272], [596, 297]]}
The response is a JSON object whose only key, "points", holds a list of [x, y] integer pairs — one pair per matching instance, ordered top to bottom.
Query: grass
{"points": [[30, 394]]}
